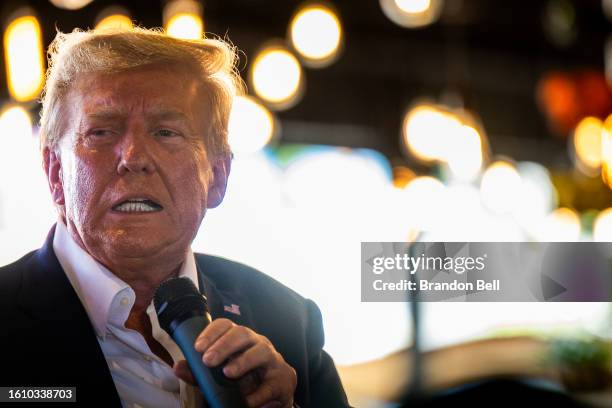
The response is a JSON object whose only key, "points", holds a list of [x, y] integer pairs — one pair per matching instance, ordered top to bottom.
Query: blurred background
{"points": [[390, 120]]}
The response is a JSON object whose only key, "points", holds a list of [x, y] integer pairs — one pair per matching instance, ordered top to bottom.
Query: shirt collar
{"points": [[96, 286]]}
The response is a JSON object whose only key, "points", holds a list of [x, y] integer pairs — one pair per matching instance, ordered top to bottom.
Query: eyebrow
{"points": [[158, 114], [168, 114], [171, 115]]}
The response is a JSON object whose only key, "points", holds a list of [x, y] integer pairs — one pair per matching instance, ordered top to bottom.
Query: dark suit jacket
{"points": [[48, 340]]}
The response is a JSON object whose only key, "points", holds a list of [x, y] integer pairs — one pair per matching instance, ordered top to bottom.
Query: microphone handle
{"points": [[219, 391]]}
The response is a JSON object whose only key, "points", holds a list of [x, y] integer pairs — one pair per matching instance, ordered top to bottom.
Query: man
{"points": [[134, 141]]}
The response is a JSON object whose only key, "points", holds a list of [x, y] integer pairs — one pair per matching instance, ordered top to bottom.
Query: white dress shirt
{"points": [[142, 379]]}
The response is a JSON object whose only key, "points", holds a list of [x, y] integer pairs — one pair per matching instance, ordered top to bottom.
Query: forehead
{"points": [[147, 89]]}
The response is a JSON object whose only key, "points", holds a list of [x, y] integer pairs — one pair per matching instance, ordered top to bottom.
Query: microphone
{"points": [[183, 313]]}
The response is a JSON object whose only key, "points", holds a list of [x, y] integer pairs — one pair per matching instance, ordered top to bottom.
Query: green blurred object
{"points": [[582, 363]]}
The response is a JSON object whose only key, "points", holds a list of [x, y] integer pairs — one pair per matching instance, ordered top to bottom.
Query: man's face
{"points": [[132, 170]]}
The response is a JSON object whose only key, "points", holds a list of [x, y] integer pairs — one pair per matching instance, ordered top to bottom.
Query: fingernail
{"points": [[202, 341], [199, 345], [210, 357], [228, 370]]}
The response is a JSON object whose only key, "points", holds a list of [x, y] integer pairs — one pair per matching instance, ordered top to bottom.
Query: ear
{"points": [[53, 170], [220, 172]]}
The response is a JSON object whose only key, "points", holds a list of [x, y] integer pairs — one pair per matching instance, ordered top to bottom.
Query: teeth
{"points": [[133, 206]]}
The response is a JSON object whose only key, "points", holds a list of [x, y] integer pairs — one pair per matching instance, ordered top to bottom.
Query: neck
{"points": [[144, 273], [145, 277], [144, 286]]}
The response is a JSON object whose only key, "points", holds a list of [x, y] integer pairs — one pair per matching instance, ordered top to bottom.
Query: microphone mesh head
{"points": [[176, 298]]}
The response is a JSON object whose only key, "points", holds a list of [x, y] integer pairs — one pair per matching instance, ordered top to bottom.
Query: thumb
{"points": [[182, 371]]}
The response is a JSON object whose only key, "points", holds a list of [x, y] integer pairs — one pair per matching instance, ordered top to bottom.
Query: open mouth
{"points": [[137, 205]]}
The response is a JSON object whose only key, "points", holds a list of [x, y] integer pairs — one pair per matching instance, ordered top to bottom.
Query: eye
{"points": [[101, 133], [165, 133]]}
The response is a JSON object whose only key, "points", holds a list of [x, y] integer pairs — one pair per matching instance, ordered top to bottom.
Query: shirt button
{"points": [[125, 301], [148, 358]]}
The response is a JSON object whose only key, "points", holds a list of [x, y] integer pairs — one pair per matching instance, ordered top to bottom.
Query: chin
{"points": [[131, 245], [134, 249]]}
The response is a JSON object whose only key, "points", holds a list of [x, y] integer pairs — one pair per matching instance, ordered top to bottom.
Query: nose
{"points": [[135, 154]]}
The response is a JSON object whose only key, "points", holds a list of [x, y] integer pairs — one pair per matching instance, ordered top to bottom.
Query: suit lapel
{"points": [[47, 293], [48, 297], [225, 300]]}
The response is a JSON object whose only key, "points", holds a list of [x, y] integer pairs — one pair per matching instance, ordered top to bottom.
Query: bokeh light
{"points": [[70, 4], [606, 5], [413, 6], [412, 13], [112, 18], [183, 19], [559, 22], [316, 34], [23, 53], [608, 59], [276, 76], [558, 97], [16, 124], [251, 126], [427, 131], [435, 133], [587, 144], [606, 152], [465, 154], [316, 176], [402, 176], [500, 187], [537, 197], [423, 200], [26, 210], [562, 225], [602, 227]]}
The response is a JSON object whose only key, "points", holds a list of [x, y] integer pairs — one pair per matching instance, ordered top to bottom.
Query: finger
{"points": [[211, 333], [233, 341], [260, 355], [182, 371], [249, 382], [278, 386], [265, 394]]}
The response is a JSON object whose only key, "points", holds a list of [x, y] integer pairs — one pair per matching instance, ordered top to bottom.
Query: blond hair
{"points": [[110, 51]]}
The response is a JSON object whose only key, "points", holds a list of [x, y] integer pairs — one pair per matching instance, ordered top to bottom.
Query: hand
{"points": [[264, 378]]}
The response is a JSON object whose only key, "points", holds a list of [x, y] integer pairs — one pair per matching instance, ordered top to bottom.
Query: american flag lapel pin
{"points": [[234, 309]]}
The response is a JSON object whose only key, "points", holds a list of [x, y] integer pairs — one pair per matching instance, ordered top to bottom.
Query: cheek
{"points": [[205, 179], [81, 189], [194, 189]]}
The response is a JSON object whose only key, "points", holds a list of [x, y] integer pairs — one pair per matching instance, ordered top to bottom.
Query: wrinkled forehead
{"points": [[146, 88]]}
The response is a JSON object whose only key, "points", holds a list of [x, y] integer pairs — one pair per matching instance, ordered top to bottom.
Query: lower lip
{"points": [[136, 212]]}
